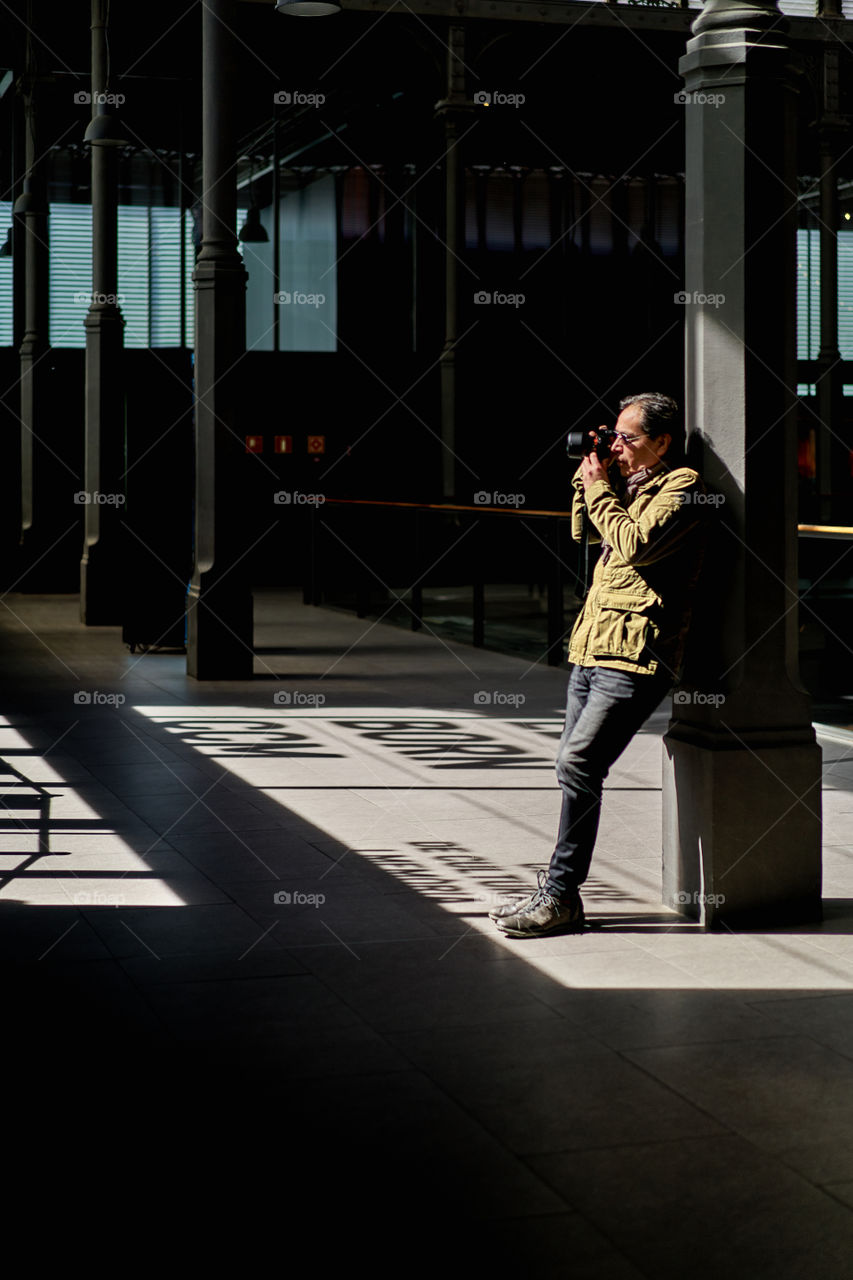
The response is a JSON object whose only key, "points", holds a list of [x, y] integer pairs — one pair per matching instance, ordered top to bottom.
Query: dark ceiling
{"points": [[597, 100]]}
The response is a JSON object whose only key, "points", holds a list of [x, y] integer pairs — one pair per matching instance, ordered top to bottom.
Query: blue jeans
{"points": [[604, 710]]}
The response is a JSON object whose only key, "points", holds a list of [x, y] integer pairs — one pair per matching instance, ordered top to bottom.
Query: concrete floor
{"points": [[252, 988]]}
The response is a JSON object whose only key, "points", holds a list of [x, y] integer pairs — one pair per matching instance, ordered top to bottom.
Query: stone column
{"points": [[453, 110], [101, 586], [219, 601], [741, 794]]}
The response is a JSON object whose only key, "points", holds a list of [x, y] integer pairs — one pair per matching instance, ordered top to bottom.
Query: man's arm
{"points": [[578, 508], [659, 528]]}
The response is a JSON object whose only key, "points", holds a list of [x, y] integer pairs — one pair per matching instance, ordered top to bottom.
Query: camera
{"points": [[579, 444]]}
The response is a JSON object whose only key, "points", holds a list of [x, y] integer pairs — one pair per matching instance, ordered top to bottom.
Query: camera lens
{"points": [[578, 444]]}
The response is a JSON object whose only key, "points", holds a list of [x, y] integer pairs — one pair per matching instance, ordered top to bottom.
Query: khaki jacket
{"points": [[636, 615]]}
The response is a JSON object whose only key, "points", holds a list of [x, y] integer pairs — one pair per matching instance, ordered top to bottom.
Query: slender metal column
{"points": [[453, 110], [833, 137], [31, 216], [100, 566], [219, 601], [742, 770]]}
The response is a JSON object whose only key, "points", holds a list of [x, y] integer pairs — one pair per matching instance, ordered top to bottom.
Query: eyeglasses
{"points": [[629, 439]]}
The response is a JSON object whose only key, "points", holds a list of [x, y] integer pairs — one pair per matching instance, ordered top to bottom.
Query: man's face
{"points": [[638, 451]]}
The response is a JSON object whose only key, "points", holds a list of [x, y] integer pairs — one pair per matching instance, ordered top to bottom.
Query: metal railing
{"points": [[408, 544], [550, 559]]}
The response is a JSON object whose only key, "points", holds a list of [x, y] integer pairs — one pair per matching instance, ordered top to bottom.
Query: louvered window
{"points": [[5, 277], [149, 285], [808, 294], [845, 294]]}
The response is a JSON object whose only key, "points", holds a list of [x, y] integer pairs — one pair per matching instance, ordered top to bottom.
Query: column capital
{"points": [[728, 15]]}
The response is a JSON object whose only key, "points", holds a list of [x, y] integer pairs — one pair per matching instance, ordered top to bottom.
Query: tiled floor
{"points": [[245, 939]]}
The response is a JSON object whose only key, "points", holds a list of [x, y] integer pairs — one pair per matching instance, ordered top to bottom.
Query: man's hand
{"points": [[592, 470]]}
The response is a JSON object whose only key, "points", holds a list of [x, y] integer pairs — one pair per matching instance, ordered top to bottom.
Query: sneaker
{"points": [[512, 905], [543, 913]]}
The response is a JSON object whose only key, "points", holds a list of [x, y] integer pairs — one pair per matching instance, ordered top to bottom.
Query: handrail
{"points": [[443, 506], [837, 529], [313, 591]]}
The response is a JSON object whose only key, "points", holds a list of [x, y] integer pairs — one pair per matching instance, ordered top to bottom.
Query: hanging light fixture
{"points": [[307, 8], [105, 130], [27, 201], [252, 232]]}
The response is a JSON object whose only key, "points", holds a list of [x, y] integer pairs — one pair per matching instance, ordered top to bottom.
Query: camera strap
{"points": [[584, 554]]}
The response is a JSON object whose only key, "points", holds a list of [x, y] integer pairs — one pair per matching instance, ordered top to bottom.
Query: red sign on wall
{"points": [[254, 444], [284, 444], [316, 444]]}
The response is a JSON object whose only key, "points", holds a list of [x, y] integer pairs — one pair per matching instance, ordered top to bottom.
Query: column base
{"points": [[101, 583], [220, 634], [742, 826]]}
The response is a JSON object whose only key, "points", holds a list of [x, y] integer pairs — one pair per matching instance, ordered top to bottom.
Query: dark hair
{"points": [[660, 412], [660, 417]]}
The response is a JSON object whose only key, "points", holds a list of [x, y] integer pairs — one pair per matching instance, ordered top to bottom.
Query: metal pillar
{"points": [[453, 111], [832, 131], [30, 212], [100, 566], [219, 601], [742, 803]]}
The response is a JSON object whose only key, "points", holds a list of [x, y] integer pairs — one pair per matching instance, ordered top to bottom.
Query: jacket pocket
{"points": [[624, 626]]}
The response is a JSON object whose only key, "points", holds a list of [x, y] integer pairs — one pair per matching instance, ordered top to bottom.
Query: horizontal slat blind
{"points": [[5, 278], [808, 294]]}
